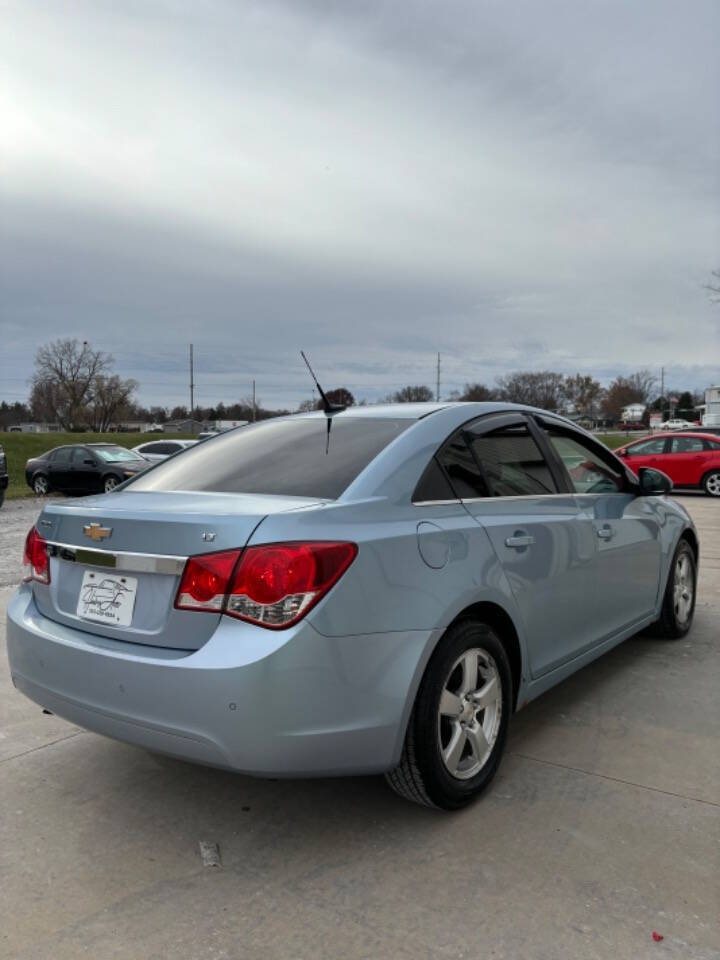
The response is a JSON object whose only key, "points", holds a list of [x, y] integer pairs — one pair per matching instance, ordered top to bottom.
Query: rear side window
{"points": [[686, 445], [153, 448], [61, 455], [291, 457], [512, 462], [462, 469]]}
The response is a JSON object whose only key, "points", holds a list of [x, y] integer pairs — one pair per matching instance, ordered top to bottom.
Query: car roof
{"points": [[417, 411], [662, 434]]}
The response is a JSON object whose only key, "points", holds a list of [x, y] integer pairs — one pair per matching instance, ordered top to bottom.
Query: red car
{"points": [[689, 459]]}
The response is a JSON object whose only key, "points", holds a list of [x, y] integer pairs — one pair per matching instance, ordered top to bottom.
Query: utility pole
{"points": [[662, 386], [437, 389], [192, 392], [253, 403]]}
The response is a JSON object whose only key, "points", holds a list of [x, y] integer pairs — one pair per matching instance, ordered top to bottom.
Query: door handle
{"points": [[605, 533], [524, 540]]}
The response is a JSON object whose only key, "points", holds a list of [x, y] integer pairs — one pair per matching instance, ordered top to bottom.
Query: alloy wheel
{"points": [[110, 484], [712, 484], [40, 485], [683, 589], [469, 714]]}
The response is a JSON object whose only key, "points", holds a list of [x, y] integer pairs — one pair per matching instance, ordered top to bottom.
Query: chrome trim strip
{"points": [[434, 503], [119, 560]]}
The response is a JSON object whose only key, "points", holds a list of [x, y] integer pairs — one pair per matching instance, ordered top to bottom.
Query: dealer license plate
{"points": [[107, 598]]}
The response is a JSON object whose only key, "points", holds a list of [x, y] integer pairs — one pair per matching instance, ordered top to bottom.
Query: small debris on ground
{"points": [[210, 853], [657, 937]]}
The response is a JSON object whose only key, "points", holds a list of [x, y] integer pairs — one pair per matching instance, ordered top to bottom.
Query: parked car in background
{"points": [[675, 425], [630, 426], [207, 434], [157, 450], [691, 459], [82, 469], [3, 475], [372, 592]]}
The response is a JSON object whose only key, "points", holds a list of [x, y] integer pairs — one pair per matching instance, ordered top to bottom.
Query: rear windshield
{"points": [[286, 457]]}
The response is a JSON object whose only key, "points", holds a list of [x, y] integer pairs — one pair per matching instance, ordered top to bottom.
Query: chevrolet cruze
{"points": [[371, 591]]}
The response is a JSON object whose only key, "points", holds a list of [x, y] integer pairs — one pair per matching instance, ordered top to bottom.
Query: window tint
{"points": [[713, 444], [686, 445], [646, 447], [153, 448], [61, 455], [80, 455], [285, 457], [512, 462], [462, 469], [588, 471], [434, 485]]}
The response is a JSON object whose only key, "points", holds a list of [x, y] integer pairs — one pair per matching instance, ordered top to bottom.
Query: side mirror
{"points": [[622, 453], [654, 483]]}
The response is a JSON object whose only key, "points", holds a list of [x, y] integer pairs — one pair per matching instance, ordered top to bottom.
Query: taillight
{"points": [[36, 564], [205, 581], [273, 585]]}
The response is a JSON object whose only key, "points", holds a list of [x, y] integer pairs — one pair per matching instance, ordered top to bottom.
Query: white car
{"points": [[675, 425], [156, 450]]}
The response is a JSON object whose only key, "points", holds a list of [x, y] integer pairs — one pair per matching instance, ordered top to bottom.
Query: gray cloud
{"points": [[524, 185]]}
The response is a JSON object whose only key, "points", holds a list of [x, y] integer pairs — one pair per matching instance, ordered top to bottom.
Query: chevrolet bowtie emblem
{"points": [[96, 532]]}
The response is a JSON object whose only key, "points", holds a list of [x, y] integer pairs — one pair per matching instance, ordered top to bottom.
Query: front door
{"points": [[86, 475], [626, 568]]}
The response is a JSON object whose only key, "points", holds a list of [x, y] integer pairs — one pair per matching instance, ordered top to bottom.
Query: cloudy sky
{"points": [[516, 184]]}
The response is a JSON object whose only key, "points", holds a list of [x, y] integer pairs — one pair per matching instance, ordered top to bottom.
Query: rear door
{"points": [[686, 460], [60, 469], [84, 469], [534, 524], [626, 531]]}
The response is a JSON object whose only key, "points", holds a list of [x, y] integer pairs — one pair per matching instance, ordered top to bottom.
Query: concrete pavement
{"points": [[602, 826]]}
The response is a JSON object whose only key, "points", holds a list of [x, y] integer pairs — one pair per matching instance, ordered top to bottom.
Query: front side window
{"points": [[686, 445], [152, 448], [647, 448], [61, 455], [80, 455], [289, 457], [512, 462], [588, 471]]}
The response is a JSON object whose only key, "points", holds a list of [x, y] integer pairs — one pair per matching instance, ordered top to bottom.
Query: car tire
{"points": [[109, 483], [711, 483], [41, 484], [678, 606], [457, 730]]}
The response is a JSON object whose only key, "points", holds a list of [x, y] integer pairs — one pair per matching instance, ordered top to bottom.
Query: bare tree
{"points": [[713, 287], [62, 384], [542, 388], [637, 388], [477, 392], [584, 393], [413, 394], [110, 401]]}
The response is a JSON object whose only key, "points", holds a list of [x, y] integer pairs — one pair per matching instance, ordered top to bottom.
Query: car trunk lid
{"points": [[124, 553]]}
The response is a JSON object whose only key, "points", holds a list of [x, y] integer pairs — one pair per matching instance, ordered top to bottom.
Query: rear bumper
{"points": [[286, 703]]}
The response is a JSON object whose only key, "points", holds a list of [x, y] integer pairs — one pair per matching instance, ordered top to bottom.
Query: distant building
{"points": [[711, 408], [633, 412], [185, 426], [34, 428]]}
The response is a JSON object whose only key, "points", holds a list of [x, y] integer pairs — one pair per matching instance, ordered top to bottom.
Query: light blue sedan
{"points": [[374, 591]]}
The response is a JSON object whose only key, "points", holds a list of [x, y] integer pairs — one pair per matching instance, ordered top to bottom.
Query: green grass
{"points": [[19, 447]]}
